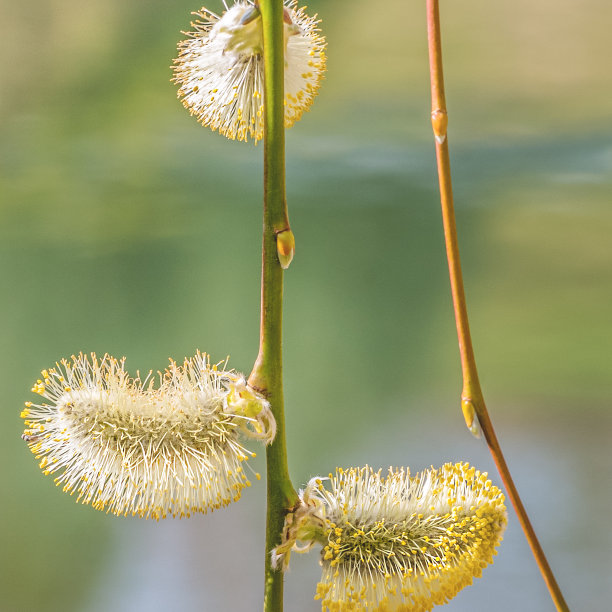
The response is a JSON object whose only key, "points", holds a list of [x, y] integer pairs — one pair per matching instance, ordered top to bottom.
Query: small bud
{"points": [[249, 15], [439, 121], [285, 247], [471, 418]]}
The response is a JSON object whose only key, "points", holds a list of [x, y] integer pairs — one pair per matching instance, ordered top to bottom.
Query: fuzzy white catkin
{"points": [[219, 69], [126, 447], [397, 543]]}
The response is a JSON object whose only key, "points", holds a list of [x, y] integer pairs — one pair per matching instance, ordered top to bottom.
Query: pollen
{"points": [[219, 69], [125, 446]]}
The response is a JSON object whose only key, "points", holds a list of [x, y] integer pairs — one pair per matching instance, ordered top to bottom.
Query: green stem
{"points": [[267, 371], [472, 400]]}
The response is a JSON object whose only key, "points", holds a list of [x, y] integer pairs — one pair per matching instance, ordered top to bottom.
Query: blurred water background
{"points": [[127, 228]]}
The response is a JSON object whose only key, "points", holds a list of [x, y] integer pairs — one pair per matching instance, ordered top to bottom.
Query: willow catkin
{"points": [[126, 447]]}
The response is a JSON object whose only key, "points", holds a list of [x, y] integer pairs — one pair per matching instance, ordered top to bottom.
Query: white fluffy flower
{"points": [[220, 69], [128, 448], [397, 543]]}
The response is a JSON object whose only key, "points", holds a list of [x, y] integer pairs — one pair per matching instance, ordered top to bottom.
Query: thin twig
{"points": [[472, 401]]}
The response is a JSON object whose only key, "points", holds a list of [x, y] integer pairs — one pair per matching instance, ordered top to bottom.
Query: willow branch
{"points": [[267, 371], [472, 401]]}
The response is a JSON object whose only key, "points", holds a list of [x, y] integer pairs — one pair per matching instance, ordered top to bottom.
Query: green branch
{"points": [[267, 371]]}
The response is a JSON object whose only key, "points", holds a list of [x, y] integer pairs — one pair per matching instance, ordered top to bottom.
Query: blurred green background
{"points": [[128, 228]]}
